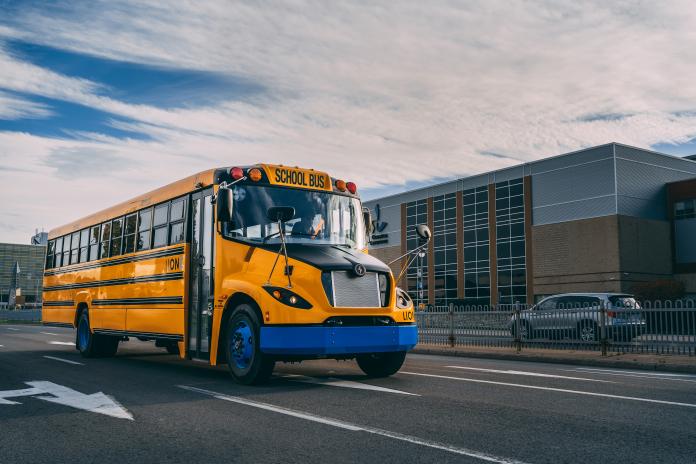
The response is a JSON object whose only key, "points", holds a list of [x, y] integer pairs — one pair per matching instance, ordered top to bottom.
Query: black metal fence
{"points": [[20, 315], [650, 327]]}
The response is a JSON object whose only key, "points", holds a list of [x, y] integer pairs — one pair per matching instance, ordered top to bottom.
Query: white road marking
{"points": [[12, 328], [51, 333], [53, 342], [1, 346], [64, 360], [528, 373], [654, 375], [332, 382], [561, 390], [97, 402], [354, 427]]}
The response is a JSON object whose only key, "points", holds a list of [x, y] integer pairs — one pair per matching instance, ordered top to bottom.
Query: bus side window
{"points": [[176, 221], [144, 226], [116, 233], [159, 233], [129, 236], [105, 237], [84, 242], [94, 243], [75, 248], [66, 250], [50, 251], [58, 259]]}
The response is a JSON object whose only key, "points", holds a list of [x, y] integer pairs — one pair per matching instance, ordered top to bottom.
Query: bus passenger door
{"points": [[201, 271]]}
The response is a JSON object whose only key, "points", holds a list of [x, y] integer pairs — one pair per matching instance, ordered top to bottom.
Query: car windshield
{"points": [[320, 217], [624, 301]]}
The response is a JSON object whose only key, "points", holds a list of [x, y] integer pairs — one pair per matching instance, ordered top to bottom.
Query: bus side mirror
{"points": [[224, 205], [367, 219], [423, 231]]}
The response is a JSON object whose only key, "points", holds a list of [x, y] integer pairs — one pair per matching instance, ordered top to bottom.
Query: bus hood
{"points": [[333, 258]]}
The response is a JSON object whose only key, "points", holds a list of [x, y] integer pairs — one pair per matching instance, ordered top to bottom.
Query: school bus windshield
{"points": [[320, 217]]}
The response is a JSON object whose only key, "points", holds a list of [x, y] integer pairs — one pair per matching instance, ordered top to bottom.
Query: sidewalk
{"points": [[652, 362]]}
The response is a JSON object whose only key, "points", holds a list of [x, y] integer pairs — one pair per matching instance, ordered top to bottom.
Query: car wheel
{"points": [[588, 331], [247, 364], [381, 364]]}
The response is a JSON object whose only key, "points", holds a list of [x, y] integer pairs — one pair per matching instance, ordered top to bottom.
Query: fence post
{"points": [[516, 315], [451, 324], [603, 327]]}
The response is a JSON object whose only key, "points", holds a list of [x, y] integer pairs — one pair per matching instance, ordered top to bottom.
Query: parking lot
{"points": [[147, 405]]}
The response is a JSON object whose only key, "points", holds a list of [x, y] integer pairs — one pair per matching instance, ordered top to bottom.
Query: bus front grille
{"points": [[351, 291]]}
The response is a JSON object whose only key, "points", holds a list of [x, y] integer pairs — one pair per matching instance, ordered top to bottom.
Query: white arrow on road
{"points": [[97, 402]]}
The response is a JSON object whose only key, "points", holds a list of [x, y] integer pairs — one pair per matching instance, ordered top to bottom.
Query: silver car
{"points": [[579, 316]]}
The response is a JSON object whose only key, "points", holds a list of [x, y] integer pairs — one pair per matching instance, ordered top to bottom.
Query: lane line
{"points": [[12, 328], [51, 333], [53, 342], [64, 360], [528, 373], [641, 373], [638, 376], [333, 382], [561, 390], [354, 427]]}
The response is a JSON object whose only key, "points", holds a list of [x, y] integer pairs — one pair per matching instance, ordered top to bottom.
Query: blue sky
{"points": [[100, 101]]}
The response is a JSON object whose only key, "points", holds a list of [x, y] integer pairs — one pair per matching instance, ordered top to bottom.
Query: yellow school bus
{"points": [[244, 265]]}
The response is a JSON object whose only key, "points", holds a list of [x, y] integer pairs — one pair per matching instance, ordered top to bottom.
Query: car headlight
{"points": [[403, 301]]}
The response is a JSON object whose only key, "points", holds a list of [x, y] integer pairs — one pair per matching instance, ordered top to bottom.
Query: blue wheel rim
{"points": [[83, 335], [242, 345]]}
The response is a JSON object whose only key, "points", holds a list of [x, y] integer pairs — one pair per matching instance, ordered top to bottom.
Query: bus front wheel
{"points": [[91, 345], [381, 364], [248, 365]]}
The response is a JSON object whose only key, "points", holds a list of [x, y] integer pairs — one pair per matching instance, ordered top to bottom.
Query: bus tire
{"points": [[85, 341], [91, 345], [247, 364], [381, 364]]}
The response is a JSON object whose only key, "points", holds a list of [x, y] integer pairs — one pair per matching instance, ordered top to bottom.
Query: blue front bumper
{"points": [[320, 340]]}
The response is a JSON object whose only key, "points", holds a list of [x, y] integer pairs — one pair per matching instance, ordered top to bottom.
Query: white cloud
{"points": [[381, 93], [14, 107]]}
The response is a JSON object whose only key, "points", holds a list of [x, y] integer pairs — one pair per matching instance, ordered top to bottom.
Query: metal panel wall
{"points": [[641, 178], [577, 191]]}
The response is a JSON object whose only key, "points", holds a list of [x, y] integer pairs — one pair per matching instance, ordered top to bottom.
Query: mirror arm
{"points": [[224, 185], [415, 253]]}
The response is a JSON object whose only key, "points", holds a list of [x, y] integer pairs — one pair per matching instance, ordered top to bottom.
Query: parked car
{"points": [[578, 316]]}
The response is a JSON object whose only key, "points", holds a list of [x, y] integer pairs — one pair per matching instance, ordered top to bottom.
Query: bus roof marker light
{"points": [[236, 173], [254, 174], [341, 185], [352, 188]]}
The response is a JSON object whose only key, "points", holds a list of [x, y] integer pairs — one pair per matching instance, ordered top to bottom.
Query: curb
{"points": [[605, 362]]}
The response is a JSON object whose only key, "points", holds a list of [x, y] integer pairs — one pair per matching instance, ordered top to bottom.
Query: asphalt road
{"points": [[437, 409]]}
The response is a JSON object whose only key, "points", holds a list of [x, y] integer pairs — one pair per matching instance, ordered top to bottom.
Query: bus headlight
{"points": [[287, 297], [403, 301]]}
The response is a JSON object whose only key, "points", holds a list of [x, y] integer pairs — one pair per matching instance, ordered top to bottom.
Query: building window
{"points": [[685, 209], [510, 241], [445, 248], [477, 272], [417, 273]]}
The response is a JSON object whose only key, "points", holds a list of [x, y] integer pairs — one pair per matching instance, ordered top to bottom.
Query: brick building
{"points": [[599, 219]]}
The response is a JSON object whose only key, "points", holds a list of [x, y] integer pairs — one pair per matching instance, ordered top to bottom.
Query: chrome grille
{"points": [[351, 291]]}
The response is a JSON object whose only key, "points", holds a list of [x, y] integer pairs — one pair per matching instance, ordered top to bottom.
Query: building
{"points": [[601, 219], [39, 238], [21, 273]]}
